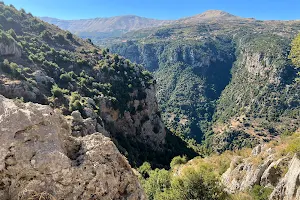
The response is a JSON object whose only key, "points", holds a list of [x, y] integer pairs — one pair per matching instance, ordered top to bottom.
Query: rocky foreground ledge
{"points": [[39, 156], [264, 167]]}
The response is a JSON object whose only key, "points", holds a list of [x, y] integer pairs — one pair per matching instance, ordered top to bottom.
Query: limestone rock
{"points": [[10, 49], [260, 65], [42, 78], [19, 89], [145, 125], [88, 126], [257, 150], [38, 154], [269, 172], [272, 175], [244, 176], [289, 186]]}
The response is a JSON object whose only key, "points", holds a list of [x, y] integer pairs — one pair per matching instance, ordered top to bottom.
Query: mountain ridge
{"points": [[124, 23], [104, 31]]}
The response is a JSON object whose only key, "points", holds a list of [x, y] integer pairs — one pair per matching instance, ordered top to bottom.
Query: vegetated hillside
{"points": [[99, 29], [227, 81], [98, 91], [268, 171]]}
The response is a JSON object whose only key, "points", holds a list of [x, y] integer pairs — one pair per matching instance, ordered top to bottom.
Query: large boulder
{"points": [[39, 156]]}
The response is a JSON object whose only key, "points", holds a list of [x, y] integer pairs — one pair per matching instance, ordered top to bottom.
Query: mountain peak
{"points": [[216, 13], [210, 15]]}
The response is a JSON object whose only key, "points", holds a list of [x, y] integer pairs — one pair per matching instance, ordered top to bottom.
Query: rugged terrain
{"points": [[101, 29], [41, 63], [221, 79], [68, 109], [41, 159]]}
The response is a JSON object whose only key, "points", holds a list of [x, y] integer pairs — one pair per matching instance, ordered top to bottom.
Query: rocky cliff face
{"points": [[10, 49], [186, 73], [260, 99], [144, 121], [39, 156], [265, 168]]}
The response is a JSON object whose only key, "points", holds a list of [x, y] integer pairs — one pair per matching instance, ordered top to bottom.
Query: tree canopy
{"points": [[295, 51]]}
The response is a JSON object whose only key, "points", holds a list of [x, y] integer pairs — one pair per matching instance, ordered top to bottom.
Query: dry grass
{"points": [[241, 196]]}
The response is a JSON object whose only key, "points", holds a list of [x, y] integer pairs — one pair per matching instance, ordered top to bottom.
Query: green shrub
{"points": [[12, 33], [45, 35], [69, 36], [6, 38], [60, 38], [295, 51], [5, 66], [11, 68], [16, 71], [65, 78], [58, 92], [75, 102], [76, 105], [293, 146], [178, 160], [145, 169], [158, 181], [192, 185], [260, 193]]}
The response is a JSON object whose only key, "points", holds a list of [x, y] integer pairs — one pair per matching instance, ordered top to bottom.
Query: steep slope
{"points": [[100, 28], [187, 73], [237, 90], [103, 92], [261, 99], [40, 159], [268, 171]]}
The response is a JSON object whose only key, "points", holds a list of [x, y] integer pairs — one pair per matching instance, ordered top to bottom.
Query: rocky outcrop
{"points": [[10, 49], [259, 64], [42, 78], [19, 89], [144, 124], [88, 126], [39, 156], [264, 168], [273, 173], [245, 175], [289, 187]]}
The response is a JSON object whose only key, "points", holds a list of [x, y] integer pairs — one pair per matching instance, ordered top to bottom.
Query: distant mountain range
{"points": [[106, 27], [103, 28]]}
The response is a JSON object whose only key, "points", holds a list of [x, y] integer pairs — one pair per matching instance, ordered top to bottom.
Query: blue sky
{"points": [[160, 9]]}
